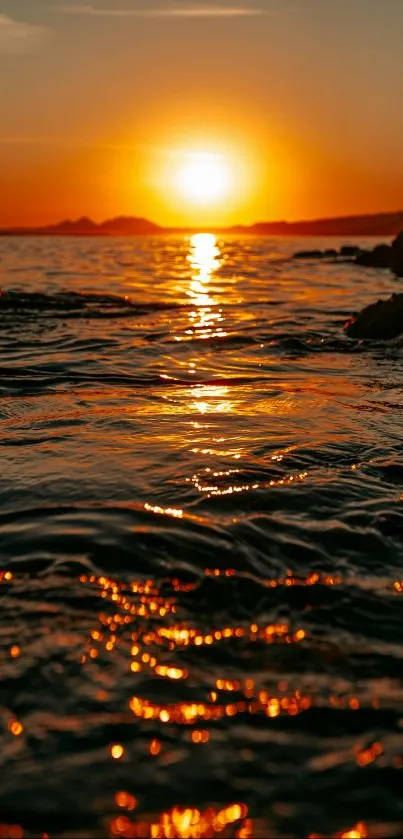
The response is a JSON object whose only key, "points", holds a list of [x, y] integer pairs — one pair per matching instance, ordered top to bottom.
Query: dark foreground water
{"points": [[201, 532]]}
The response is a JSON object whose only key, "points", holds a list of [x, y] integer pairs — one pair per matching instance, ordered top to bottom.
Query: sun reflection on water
{"points": [[204, 258], [205, 319], [212, 399]]}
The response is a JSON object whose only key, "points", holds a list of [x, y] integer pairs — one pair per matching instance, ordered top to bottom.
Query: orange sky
{"points": [[102, 101]]}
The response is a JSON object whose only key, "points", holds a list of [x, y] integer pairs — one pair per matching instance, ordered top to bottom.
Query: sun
{"points": [[204, 178]]}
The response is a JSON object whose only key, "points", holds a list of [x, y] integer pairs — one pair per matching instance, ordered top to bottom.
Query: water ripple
{"points": [[201, 538]]}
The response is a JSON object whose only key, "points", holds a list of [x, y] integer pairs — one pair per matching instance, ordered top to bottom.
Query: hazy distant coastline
{"points": [[379, 224]]}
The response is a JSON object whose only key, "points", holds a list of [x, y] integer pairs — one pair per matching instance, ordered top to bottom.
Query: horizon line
{"points": [[87, 220]]}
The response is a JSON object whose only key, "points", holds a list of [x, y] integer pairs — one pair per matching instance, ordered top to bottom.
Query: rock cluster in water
{"points": [[346, 252], [381, 256], [385, 256], [382, 320]]}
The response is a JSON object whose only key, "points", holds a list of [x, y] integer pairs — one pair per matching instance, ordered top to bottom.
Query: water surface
{"points": [[201, 534]]}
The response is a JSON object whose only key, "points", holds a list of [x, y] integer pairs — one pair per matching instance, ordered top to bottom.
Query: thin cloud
{"points": [[177, 12], [17, 37], [81, 142]]}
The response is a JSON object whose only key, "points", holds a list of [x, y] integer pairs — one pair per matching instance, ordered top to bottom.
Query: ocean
{"points": [[201, 528]]}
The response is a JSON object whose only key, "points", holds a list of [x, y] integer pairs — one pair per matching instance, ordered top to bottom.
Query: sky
{"points": [[103, 103]]}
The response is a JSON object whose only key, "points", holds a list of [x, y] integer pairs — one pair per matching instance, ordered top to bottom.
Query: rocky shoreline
{"points": [[381, 256], [380, 321]]}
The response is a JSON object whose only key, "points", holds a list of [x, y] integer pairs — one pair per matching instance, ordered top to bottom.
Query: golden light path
{"points": [[204, 261], [206, 319]]}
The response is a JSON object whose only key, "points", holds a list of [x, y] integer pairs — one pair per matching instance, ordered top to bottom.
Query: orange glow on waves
{"points": [[128, 624]]}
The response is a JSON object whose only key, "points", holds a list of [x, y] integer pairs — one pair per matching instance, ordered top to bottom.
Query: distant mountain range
{"points": [[379, 224], [121, 226]]}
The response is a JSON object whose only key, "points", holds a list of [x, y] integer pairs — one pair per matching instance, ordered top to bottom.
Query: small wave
{"points": [[73, 304]]}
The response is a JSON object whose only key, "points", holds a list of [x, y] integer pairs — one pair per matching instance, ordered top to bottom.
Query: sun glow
{"points": [[204, 178], [197, 180]]}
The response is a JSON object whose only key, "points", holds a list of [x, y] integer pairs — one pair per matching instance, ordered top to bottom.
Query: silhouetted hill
{"points": [[378, 224], [83, 225], [121, 226], [127, 226]]}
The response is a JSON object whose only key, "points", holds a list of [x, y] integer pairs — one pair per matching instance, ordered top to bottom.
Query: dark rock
{"points": [[397, 243], [350, 250], [330, 252], [308, 255], [397, 255], [380, 257], [364, 258], [380, 321]]}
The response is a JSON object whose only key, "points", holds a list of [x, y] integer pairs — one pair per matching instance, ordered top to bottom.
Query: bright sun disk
{"points": [[204, 178]]}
